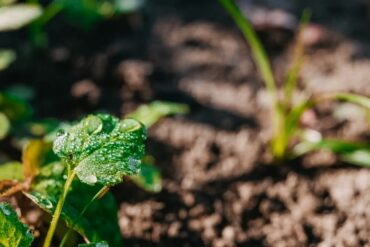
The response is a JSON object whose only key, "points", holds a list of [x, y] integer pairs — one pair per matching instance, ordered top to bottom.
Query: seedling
{"points": [[286, 114], [70, 177]]}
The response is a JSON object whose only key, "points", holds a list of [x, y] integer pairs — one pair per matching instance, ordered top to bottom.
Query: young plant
{"points": [[285, 114], [94, 155], [69, 172]]}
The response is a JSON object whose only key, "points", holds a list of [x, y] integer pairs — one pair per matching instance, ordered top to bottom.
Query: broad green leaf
{"points": [[18, 15], [6, 58], [153, 112], [4, 125], [102, 149], [11, 171], [149, 178], [99, 223], [13, 233], [96, 244]]}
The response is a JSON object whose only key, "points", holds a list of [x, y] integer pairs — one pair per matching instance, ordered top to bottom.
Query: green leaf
{"points": [[16, 16], [258, 51], [6, 58], [353, 98], [153, 112], [4, 125], [339, 146], [102, 149], [351, 152], [359, 157], [12, 171], [149, 178], [50, 179], [99, 223], [13, 233], [96, 244]]}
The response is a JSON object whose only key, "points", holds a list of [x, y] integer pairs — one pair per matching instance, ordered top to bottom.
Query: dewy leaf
{"points": [[16, 16], [151, 113], [102, 149], [11, 171], [99, 223], [13, 233], [96, 244]]}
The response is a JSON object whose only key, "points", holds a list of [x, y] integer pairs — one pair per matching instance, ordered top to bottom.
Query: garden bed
{"points": [[218, 186]]}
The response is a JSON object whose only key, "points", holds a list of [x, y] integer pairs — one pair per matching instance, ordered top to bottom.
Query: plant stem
{"points": [[263, 64], [98, 195], [58, 209]]}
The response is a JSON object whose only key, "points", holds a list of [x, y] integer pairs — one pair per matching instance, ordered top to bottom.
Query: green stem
{"points": [[98, 195], [58, 210]]}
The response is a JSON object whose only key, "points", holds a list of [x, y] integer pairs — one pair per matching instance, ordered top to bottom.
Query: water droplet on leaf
{"points": [[91, 179]]}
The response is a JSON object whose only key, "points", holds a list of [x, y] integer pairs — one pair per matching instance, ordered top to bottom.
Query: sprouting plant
{"points": [[286, 114], [68, 173]]}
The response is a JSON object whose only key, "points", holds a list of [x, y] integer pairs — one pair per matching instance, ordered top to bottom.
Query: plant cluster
{"points": [[289, 139], [68, 174]]}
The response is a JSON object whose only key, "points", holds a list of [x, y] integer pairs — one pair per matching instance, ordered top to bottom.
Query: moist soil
{"points": [[219, 188]]}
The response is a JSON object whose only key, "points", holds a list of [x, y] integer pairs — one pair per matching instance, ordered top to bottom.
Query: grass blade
{"points": [[258, 51], [353, 98]]}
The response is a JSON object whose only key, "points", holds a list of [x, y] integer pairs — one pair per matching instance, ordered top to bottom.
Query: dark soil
{"points": [[217, 188]]}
